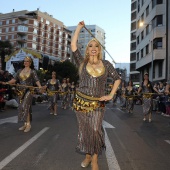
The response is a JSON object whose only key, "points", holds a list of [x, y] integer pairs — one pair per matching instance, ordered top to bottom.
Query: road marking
{"points": [[13, 119], [107, 125], [168, 141], [13, 155], [110, 155]]}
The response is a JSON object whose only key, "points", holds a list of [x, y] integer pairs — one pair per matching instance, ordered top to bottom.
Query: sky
{"points": [[111, 15]]}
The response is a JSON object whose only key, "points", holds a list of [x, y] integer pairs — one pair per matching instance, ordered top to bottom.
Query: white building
{"points": [[152, 42], [125, 68]]}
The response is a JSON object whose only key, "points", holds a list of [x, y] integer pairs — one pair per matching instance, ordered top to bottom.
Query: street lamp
{"points": [[141, 24]]}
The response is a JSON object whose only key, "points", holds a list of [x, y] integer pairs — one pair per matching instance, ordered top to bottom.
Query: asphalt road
{"points": [[50, 145]]}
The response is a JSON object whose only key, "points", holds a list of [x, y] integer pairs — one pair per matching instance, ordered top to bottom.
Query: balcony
{"points": [[23, 22], [21, 40], [158, 54]]}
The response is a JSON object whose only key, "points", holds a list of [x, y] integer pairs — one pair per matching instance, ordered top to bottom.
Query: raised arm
{"points": [[75, 36], [76, 53]]}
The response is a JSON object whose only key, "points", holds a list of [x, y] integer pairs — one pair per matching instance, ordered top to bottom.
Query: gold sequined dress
{"points": [[25, 99], [90, 130]]}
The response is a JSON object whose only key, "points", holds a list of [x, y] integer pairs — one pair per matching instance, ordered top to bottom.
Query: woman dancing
{"points": [[90, 97]]}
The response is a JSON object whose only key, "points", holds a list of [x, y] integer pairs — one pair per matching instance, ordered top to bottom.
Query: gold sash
{"points": [[85, 104]]}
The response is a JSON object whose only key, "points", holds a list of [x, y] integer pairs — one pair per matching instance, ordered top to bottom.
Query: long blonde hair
{"points": [[86, 58]]}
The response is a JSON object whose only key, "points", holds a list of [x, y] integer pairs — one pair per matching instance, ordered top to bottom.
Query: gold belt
{"points": [[147, 96], [85, 104]]}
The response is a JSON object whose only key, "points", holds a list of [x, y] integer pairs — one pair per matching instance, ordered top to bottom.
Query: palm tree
{"points": [[6, 48]]}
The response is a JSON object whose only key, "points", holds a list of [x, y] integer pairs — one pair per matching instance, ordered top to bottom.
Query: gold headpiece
{"points": [[93, 39], [28, 58]]}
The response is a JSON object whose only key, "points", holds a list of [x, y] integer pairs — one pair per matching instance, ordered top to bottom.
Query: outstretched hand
{"points": [[106, 98]]}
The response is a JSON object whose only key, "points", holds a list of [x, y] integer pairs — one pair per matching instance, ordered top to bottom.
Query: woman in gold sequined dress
{"points": [[25, 77], [53, 86], [90, 96]]}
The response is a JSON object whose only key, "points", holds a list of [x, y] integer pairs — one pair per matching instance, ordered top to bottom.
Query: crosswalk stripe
{"points": [[14, 154]]}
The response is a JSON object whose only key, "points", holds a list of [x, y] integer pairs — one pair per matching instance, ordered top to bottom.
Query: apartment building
{"points": [[37, 31], [85, 37], [152, 39], [134, 74]]}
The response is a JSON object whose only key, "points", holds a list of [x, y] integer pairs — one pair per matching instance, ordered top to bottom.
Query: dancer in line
{"points": [[26, 76], [53, 85], [147, 90], [90, 96]]}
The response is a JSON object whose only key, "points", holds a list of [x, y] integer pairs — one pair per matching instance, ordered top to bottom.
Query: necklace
{"points": [[26, 71]]}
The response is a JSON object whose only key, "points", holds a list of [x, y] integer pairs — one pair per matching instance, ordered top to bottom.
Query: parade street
{"points": [[131, 144]]}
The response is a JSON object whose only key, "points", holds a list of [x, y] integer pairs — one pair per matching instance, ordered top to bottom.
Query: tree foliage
{"points": [[6, 48], [63, 69]]}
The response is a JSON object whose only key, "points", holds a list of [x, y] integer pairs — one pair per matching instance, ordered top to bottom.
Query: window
{"points": [[159, 1], [142, 2], [153, 3], [138, 5], [133, 6], [147, 11], [142, 17], [159, 19], [7, 21], [13, 21], [0, 22], [47, 22], [35, 23], [133, 26], [22, 28], [7, 29], [13, 29], [147, 29], [0, 30], [35, 31], [60, 33], [142, 35], [12, 36], [133, 36], [0, 37], [6, 37], [34, 38], [138, 40], [157, 43], [34, 46], [133, 46], [147, 49], [141, 53], [132, 56], [160, 69]]}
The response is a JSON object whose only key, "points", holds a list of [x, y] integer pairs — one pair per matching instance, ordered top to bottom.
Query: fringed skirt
{"points": [[53, 100], [25, 103], [130, 104], [147, 106], [90, 132]]}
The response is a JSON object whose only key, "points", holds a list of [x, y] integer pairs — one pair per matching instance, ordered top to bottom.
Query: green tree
{"points": [[6, 48], [66, 69]]}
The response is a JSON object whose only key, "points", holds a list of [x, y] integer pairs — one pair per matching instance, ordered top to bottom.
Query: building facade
{"points": [[37, 31], [85, 37], [152, 39], [124, 71], [134, 74]]}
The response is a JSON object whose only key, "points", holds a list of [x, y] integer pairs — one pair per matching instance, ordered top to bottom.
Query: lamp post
{"points": [[141, 24]]}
